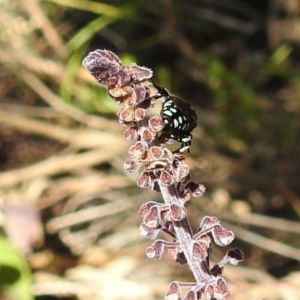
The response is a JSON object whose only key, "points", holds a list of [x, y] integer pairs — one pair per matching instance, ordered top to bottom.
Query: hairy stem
{"points": [[183, 234]]}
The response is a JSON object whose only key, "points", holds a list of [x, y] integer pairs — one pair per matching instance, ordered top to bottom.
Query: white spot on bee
{"points": [[168, 103], [174, 110], [168, 113], [180, 119], [175, 123], [186, 139], [182, 149]]}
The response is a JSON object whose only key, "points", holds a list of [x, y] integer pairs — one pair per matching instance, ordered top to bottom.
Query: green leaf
{"points": [[15, 274]]}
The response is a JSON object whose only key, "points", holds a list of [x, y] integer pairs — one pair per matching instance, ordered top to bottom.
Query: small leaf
{"points": [[222, 236], [156, 250], [15, 275], [173, 292], [191, 295]]}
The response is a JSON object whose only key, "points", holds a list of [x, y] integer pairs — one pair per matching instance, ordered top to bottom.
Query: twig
{"points": [[49, 32], [14, 60], [52, 99], [30, 111], [76, 138], [58, 165], [96, 183], [87, 214], [262, 221], [265, 243]]}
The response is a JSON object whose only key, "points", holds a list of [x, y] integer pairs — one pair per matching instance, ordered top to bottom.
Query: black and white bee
{"points": [[179, 117]]}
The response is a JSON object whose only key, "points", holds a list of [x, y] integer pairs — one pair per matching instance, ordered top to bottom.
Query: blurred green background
{"points": [[68, 207]]}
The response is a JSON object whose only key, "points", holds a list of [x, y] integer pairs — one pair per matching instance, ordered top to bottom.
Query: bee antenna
{"points": [[161, 90]]}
